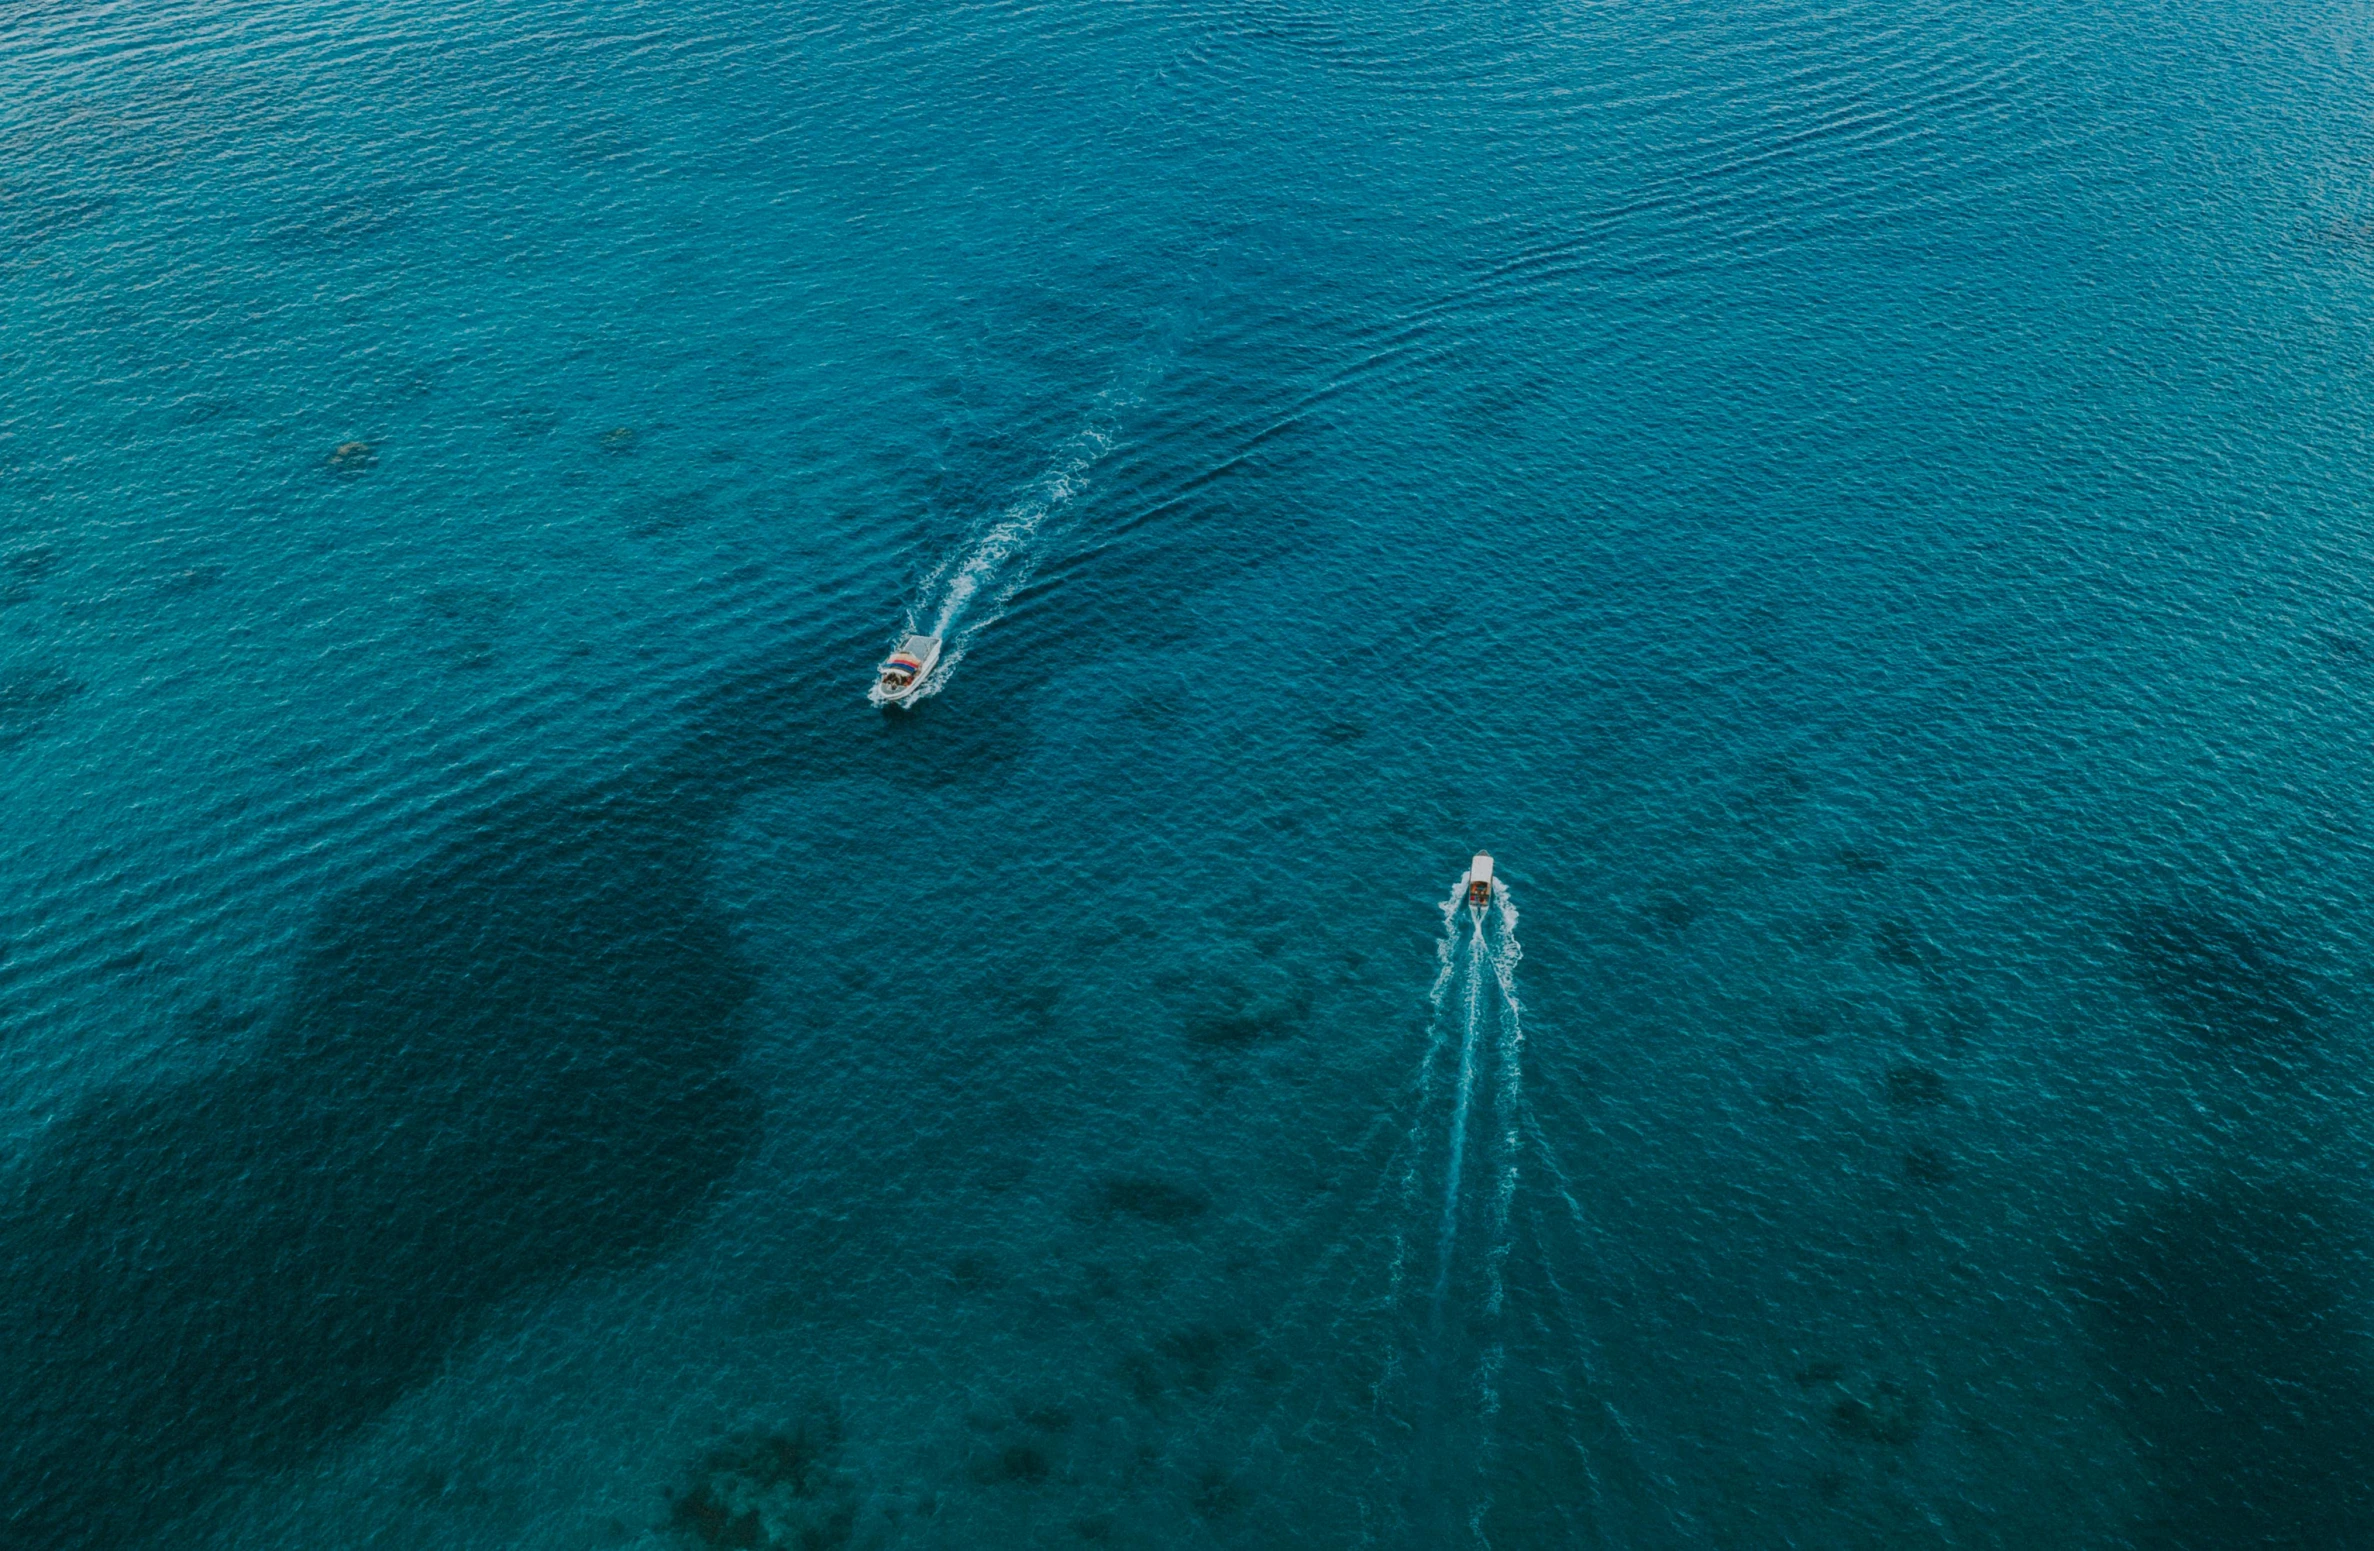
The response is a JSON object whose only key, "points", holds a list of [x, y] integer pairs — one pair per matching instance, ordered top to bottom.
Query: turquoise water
{"points": [[1860, 507]]}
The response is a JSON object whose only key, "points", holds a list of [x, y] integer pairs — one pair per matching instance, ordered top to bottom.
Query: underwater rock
{"points": [[619, 439], [352, 457], [650, 515], [22, 569], [464, 621], [29, 697], [1769, 790], [1673, 912], [1824, 933], [1895, 942], [2222, 982], [1247, 1017], [1964, 1020], [1910, 1086], [1925, 1165], [1153, 1200], [973, 1272], [2225, 1325], [1191, 1359], [1890, 1414], [1046, 1419], [1017, 1464], [774, 1491], [1217, 1494]]}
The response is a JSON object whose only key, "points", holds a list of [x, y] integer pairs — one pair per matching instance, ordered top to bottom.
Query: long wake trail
{"points": [[971, 586], [1471, 1001], [1437, 1037], [1457, 1406]]}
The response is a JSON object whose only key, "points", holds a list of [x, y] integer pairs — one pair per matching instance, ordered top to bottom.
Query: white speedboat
{"points": [[904, 672], [1479, 882]]}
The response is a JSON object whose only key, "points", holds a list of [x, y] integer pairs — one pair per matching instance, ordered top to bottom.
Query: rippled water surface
{"points": [[1862, 507]]}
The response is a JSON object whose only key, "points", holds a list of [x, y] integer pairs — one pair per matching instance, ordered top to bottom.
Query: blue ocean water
{"points": [[1860, 506]]}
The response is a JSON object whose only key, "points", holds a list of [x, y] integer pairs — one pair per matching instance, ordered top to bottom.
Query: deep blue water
{"points": [[1862, 507]]}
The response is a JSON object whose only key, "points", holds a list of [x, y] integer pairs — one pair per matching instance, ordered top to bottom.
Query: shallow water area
{"points": [[1860, 508]]}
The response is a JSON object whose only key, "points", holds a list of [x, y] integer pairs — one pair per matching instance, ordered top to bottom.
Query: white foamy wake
{"points": [[969, 588], [1446, 953], [1471, 1003], [1508, 1096], [1508, 1099]]}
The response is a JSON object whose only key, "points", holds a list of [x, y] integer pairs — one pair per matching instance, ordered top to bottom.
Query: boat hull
{"points": [[917, 658]]}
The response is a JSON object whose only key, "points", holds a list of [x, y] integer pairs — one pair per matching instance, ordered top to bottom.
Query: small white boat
{"points": [[904, 672], [1479, 881]]}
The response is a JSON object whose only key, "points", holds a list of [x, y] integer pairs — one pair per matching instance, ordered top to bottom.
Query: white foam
{"points": [[969, 589], [1446, 955], [1472, 1000], [1509, 1096]]}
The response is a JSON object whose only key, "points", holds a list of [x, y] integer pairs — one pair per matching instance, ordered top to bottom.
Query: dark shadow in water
{"points": [[21, 571], [29, 698], [2225, 983], [511, 1064], [1153, 1200], [2221, 1328], [786, 1490]]}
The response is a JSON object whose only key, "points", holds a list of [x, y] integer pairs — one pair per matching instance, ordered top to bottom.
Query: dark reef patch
{"points": [[28, 219], [345, 220], [353, 458], [660, 514], [22, 570], [463, 622], [29, 697], [1768, 791], [1673, 912], [1897, 942], [2223, 982], [1245, 1019], [512, 1063], [1911, 1086], [1925, 1165], [1154, 1200], [2225, 1328], [1191, 1359], [1887, 1413], [1016, 1464], [773, 1491], [1218, 1495]]}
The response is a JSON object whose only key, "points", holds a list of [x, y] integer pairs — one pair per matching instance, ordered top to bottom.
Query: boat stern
{"points": [[905, 670], [1479, 881]]}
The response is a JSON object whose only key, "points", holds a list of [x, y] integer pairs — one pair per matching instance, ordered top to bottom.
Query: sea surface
{"points": [[1865, 508]]}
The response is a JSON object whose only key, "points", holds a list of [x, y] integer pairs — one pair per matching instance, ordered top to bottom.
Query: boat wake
{"points": [[969, 589], [1471, 1018], [1413, 1151], [1458, 1180]]}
